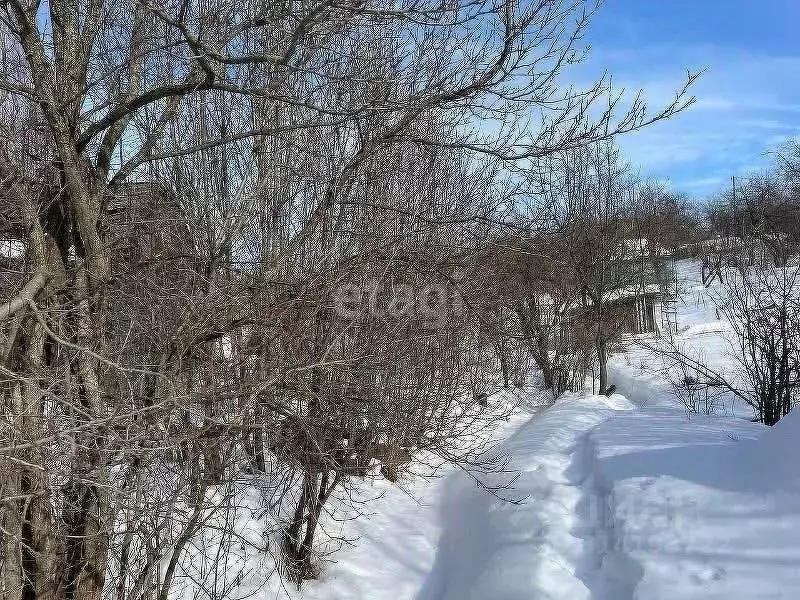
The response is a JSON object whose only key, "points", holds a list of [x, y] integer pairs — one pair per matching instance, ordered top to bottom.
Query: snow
{"points": [[10, 248], [633, 248], [631, 291], [640, 376], [770, 458], [619, 498], [611, 502], [693, 512], [536, 536], [394, 545], [541, 547]]}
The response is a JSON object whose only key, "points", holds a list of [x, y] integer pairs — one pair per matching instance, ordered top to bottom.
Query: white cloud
{"points": [[745, 107]]}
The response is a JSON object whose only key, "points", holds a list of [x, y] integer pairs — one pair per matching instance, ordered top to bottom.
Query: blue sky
{"points": [[748, 101]]}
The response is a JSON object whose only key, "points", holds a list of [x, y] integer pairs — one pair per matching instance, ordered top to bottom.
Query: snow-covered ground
{"points": [[640, 376], [615, 498], [703, 508]]}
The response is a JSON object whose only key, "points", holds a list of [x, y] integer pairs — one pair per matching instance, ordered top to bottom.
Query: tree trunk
{"points": [[500, 348], [602, 360]]}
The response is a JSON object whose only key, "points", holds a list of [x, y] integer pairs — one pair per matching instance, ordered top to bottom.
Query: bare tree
{"points": [[598, 247], [761, 305], [763, 309]]}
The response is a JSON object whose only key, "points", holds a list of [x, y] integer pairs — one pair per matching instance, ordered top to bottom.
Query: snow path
{"points": [[558, 541], [614, 574]]}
